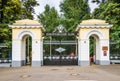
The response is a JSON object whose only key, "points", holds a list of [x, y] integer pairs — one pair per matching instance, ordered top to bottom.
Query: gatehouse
{"points": [[28, 40]]}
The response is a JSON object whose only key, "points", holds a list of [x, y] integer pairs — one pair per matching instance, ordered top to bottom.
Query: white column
{"points": [[16, 53], [37, 53], [41, 53], [83, 53]]}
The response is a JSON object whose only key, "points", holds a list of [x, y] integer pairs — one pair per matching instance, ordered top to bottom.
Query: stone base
{"points": [[23, 62], [102, 62], [105, 62], [18, 63], [37, 63], [83, 63], [5, 64]]}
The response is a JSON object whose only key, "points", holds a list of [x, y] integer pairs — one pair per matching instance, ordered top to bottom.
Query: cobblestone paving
{"points": [[61, 73]]}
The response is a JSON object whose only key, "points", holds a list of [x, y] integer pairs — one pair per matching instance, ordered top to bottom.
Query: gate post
{"points": [[20, 30], [99, 30], [83, 52], [16, 53], [37, 53], [104, 53]]}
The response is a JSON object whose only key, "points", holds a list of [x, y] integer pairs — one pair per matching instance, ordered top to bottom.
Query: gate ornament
{"points": [[60, 29], [60, 49]]}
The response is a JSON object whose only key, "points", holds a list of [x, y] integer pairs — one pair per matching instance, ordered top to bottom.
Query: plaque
{"points": [[105, 48]]}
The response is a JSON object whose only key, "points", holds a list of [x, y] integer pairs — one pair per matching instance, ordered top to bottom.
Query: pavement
{"points": [[61, 73]]}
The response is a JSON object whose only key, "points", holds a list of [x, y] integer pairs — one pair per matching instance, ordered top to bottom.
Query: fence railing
{"points": [[60, 57], [114, 58], [5, 60]]}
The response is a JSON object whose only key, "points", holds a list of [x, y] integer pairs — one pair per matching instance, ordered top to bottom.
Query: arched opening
{"points": [[27, 49], [94, 53]]}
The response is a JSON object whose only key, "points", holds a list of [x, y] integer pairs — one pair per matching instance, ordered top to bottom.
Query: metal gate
{"points": [[60, 48], [114, 52]]}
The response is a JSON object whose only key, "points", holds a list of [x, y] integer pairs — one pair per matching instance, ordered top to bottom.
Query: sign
{"points": [[60, 34], [105, 48], [60, 49], [105, 53]]}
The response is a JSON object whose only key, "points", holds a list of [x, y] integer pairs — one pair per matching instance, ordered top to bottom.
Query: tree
{"points": [[28, 8], [10, 10], [74, 12], [49, 18]]}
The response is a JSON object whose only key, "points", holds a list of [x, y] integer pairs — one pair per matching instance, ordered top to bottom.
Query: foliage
{"points": [[28, 8], [9, 10], [74, 11], [110, 11], [49, 18], [5, 34], [92, 45], [4, 55]]}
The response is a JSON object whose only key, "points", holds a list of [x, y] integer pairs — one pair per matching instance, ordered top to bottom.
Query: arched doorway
{"points": [[94, 40], [94, 48], [27, 49]]}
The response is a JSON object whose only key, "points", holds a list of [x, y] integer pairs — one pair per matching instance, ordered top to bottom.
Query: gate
{"points": [[60, 48], [114, 52]]}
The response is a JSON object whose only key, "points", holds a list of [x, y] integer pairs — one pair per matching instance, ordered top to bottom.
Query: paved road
{"points": [[61, 73]]}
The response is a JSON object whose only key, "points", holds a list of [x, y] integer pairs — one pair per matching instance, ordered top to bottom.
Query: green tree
{"points": [[28, 8], [10, 10], [74, 11], [49, 18], [5, 33]]}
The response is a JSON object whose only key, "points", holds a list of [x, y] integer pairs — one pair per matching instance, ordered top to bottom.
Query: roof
{"points": [[26, 23], [93, 23]]}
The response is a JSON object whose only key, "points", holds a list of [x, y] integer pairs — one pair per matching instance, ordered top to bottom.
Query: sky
{"points": [[55, 3]]}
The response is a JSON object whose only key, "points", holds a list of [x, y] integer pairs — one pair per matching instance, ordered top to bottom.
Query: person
{"points": [[72, 54], [91, 58]]}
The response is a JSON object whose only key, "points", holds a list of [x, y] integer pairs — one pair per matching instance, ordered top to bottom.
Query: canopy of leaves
{"points": [[28, 8], [10, 10], [74, 11], [49, 18], [5, 34]]}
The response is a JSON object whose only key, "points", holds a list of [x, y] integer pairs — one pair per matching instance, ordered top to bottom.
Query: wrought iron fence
{"points": [[114, 52], [7, 60], [60, 60]]}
